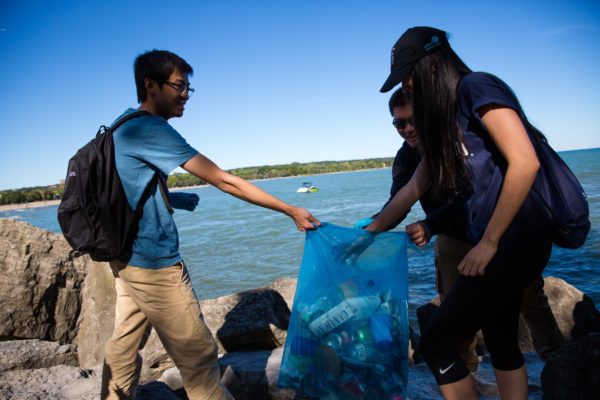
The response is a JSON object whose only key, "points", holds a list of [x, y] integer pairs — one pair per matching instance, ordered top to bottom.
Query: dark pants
{"points": [[491, 303]]}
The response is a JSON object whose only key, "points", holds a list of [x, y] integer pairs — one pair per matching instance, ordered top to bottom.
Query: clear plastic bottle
{"points": [[328, 298], [354, 308], [381, 327]]}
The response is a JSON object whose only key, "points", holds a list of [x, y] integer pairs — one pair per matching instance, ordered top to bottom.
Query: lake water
{"points": [[231, 246]]}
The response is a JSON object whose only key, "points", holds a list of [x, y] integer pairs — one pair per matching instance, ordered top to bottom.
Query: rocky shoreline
{"points": [[57, 313]]}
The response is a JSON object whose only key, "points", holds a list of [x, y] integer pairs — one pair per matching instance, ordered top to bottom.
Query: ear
{"points": [[151, 86]]}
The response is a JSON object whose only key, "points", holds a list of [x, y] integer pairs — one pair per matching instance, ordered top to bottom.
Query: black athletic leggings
{"points": [[490, 303]]}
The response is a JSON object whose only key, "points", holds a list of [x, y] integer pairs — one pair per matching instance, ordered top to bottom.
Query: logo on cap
{"points": [[435, 41], [393, 55]]}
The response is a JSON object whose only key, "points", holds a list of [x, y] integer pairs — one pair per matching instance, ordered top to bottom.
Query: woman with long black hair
{"points": [[477, 150]]}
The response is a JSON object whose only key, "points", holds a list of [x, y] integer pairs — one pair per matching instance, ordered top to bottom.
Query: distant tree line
{"points": [[285, 170], [54, 192], [27, 195]]}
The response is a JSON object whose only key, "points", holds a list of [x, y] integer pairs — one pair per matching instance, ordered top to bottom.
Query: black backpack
{"points": [[94, 214]]}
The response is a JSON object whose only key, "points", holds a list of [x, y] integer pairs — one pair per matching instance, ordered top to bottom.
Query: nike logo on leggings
{"points": [[443, 371]]}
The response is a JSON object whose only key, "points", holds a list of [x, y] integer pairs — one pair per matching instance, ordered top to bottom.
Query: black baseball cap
{"points": [[413, 45]]}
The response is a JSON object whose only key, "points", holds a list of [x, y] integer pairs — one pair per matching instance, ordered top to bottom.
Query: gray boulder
{"points": [[40, 284], [286, 287], [566, 302], [97, 316], [255, 320], [248, 321], [34, 353], [573, 372], [248, 375], [253, 375], [54, 383]]}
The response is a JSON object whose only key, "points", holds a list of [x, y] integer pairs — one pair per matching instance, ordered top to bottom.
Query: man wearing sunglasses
{"points": [[444, 219], [152, 282]]}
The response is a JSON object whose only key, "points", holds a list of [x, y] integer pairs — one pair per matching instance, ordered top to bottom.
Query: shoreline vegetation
{"points": [[42, 196]]}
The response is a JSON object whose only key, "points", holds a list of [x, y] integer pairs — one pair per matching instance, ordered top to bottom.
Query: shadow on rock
{"points": [[259, 321], [573, 372]]}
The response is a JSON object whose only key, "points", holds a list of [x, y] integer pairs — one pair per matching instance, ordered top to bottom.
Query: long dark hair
{"points": [[435, 80]]}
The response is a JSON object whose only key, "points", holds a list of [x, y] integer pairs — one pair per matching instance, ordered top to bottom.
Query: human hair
{"points": [[157, 65], [435, 80], [399, 99]]}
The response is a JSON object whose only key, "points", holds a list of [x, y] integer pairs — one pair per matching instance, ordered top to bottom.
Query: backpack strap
{"points": [[128, 117], [103, 129], [164, 189]]}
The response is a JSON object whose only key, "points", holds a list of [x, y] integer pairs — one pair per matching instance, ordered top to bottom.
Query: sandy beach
{"points": [[33, 204]]}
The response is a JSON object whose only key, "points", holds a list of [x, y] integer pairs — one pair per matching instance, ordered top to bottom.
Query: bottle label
{"points": [[332, 319]]}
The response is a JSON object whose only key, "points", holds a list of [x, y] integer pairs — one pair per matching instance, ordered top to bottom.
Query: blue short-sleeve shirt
{"points": [[145, 146]]}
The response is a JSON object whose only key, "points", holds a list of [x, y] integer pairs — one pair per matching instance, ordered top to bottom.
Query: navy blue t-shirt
{"points": [[485, 163]]}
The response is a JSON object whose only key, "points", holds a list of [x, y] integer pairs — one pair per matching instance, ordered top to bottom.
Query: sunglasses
{"points": [[181, 88], [400, 123]]}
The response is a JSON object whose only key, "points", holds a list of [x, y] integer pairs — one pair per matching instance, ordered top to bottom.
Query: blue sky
{"points": [[276, 81]]}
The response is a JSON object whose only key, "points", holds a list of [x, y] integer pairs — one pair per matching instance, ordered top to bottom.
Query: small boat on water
{"points": [[307, 187]]}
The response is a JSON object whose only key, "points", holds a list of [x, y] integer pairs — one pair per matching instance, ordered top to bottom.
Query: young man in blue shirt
{"points": [[152, 283]]}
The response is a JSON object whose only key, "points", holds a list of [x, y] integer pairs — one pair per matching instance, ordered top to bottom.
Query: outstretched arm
{"points": [[508, 133], [207, 170], [402, 201]]}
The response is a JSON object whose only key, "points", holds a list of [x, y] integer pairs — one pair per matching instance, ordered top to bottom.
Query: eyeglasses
{"points": [[181, 88], [400, 123]]}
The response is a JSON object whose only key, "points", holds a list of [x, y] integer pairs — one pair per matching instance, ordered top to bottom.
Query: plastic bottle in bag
{"points": [[327, 299], [353, 308], [381, 327], [364, 355], [389, 381], [353, 387]]}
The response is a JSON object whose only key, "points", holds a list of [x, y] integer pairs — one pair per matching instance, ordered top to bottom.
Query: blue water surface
{"points": [[231, 246]]}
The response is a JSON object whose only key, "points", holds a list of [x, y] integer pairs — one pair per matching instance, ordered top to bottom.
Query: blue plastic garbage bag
{"points": [[348, 333]]}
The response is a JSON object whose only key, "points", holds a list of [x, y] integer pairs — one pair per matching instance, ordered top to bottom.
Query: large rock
{"points": [[40, 284], [286, 287], [49, 292], [568, 304], [97, 317], [248, 321], [34, 353], [573, 372], [247, 375], [254, 375], [61, 382]]}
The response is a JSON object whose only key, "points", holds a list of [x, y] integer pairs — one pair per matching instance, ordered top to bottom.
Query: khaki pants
{"points": [[164, 299], [535, 309]]}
